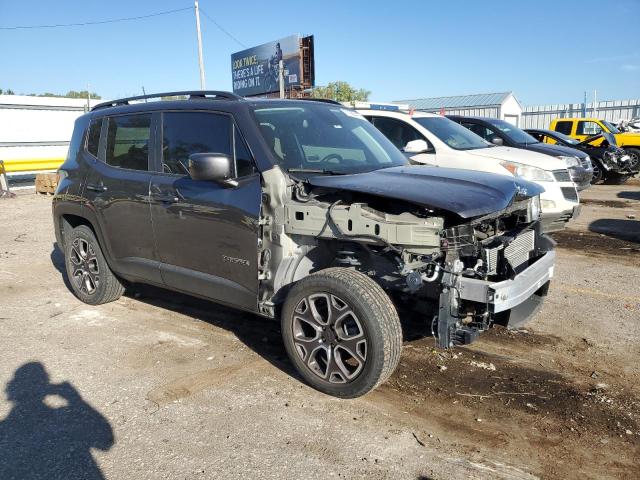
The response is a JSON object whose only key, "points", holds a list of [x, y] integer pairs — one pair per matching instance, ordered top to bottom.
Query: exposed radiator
{"points": [[516, 253]]}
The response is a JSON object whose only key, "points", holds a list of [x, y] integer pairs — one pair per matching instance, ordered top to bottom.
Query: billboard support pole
{"points": [[281, 77], [202, 84]]}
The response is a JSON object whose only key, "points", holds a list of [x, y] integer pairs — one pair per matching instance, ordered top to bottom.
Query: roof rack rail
{"points": [[188, 93], [323, 100]]}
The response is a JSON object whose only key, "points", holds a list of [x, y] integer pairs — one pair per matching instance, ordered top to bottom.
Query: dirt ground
{"points": [[159, 385]]}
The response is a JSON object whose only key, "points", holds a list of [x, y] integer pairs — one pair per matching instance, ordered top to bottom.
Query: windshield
{"points": [[610, 126], [514, 133], [454, 135], [325, 138]]}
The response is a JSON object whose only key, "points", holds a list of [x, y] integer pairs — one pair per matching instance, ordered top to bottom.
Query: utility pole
{"points": [[281, 77], [202, 84], [88, 97], [595, 104]]}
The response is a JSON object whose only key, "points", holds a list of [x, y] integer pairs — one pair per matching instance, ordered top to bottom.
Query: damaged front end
{"points": [[485, 261]]}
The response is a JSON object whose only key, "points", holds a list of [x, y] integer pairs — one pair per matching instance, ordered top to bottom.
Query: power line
{"points": [[99, 22], [222, 29]]}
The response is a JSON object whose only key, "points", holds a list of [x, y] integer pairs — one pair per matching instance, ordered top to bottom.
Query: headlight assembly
{"points": [[570, 161], [528, 172], [534, 208]]}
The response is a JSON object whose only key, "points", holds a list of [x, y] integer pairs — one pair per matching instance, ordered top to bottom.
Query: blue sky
{"points": [[545, 51]]}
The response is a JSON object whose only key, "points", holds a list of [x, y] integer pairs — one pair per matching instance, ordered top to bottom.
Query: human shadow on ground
{"points": [[50, 430]]}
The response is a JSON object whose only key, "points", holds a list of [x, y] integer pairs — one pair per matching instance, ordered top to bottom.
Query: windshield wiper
{"points": [[320, 171]]}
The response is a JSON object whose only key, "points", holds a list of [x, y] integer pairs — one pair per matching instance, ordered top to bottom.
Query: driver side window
{"points": [[588, 128], [398, 132], [485, 132]]}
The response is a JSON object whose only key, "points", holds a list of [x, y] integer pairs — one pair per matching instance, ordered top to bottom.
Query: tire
{"points": [[634, 153], [598, 173], [91, 279], [341, 332]]}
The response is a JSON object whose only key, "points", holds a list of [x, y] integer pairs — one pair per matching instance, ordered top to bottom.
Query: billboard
{"points": [[254, 71]]}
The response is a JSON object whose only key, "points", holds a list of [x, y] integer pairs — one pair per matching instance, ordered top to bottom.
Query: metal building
{"points": [[503, 105], [540, 116], [35, 131]]}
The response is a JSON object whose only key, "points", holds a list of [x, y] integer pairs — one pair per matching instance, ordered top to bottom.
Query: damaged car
{"points": [[299, 211]]}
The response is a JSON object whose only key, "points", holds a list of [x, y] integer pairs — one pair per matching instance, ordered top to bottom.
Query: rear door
{"points": [[117, 190], [206, 234]]}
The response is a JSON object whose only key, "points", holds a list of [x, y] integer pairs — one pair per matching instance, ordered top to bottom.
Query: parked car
{"points": [[583, 128], [502, 133], [435, 140], [611, 164], [301, 211]]}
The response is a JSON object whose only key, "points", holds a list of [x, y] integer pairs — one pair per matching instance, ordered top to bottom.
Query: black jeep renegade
{"points": [[298, 210]]}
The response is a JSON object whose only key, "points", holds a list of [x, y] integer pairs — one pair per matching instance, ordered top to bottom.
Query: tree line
{"points": [[70, 94]]}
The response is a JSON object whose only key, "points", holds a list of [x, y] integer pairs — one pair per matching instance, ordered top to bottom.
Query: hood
{"points": [[556, 150], [520, 155], [467, 193]]}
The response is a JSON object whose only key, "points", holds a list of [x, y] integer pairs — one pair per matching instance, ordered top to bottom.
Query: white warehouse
{"points": [[503, 105], [35, 131]]}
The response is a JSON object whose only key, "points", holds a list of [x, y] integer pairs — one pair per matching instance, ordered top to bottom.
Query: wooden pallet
{"points": [[46, 183]]}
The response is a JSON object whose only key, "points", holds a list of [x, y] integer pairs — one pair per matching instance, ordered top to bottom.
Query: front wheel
{"points": [[634, 155], [342, 332]]}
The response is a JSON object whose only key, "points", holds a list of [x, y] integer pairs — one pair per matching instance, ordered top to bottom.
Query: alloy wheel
{"points": [[84, 262], [329, 338]]}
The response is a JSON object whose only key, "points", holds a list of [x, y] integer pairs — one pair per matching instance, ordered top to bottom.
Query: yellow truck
{"points": [[583, 128]]}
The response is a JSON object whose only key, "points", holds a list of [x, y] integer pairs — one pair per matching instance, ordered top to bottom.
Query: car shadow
{"points": [[630, 194], [627, 230], [57, 260], [261, 335], [50, 430]]}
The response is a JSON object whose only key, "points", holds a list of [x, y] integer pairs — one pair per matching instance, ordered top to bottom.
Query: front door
{"points": [[401, 133], [117, 189], [206, 233]]}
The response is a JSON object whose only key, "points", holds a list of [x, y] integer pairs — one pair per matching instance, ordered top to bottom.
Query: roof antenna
{"points": [[144, 93]]}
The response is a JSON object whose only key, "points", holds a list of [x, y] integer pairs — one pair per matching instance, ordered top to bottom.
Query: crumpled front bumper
{"points": [[507, 294], [510, 302]]}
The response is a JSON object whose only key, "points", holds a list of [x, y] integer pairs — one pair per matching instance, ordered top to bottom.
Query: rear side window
{"points": [[563, 127], [184, 133], [93, 137], [128, 141]]}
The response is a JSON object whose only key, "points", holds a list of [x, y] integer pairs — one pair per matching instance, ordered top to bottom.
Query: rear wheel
{"points": [[91, 279], [342, 332]]}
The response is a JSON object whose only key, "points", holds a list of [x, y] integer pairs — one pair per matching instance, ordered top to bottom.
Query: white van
{"points": [[435, 140]]}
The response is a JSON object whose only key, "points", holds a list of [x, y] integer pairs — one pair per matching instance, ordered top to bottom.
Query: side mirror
{"points": [[497, 141], [417, 146], [212, 167]]}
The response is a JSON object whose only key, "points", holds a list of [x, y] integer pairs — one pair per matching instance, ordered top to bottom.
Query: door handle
{"points": [[96, 187]]}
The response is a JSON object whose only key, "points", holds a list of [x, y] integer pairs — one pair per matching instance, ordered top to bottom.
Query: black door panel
{"points": [[120, 199], [206, 236]]}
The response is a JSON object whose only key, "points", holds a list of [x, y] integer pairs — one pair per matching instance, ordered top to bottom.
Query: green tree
{"points": [[341, 92], [82, 94]]}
